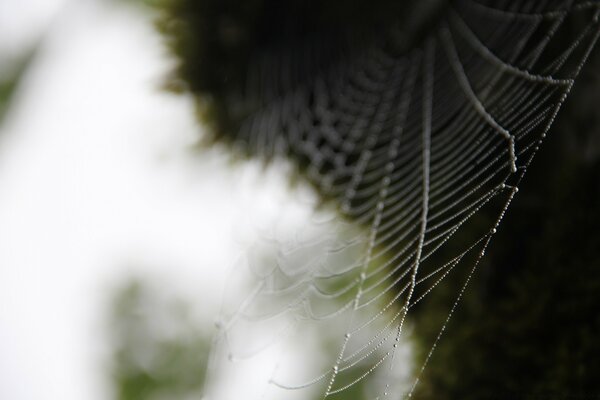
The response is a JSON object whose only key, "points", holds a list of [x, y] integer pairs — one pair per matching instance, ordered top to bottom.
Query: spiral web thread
{"points": [[411, 147]]}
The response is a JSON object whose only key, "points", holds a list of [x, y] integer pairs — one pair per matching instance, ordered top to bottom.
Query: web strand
{"points": [[411, 148]]}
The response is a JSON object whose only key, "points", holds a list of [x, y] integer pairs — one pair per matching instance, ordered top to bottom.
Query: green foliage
{"points": [[216, 41], [12, 76], [159, 351]]}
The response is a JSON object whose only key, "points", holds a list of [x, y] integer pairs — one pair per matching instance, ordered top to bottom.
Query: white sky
{"points": [[96, 181]]}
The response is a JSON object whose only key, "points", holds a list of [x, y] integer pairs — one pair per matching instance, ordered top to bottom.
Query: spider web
{"points": [[418, 149]]}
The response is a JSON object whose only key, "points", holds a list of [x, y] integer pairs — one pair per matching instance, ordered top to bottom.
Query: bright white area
{"points": [[97, 181]]}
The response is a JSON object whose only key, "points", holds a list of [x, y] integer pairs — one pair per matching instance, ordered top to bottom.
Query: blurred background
{"points": [[115, 236]]}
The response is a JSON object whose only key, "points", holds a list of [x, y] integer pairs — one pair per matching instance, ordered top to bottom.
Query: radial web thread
{"points": [[411, 147]]}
